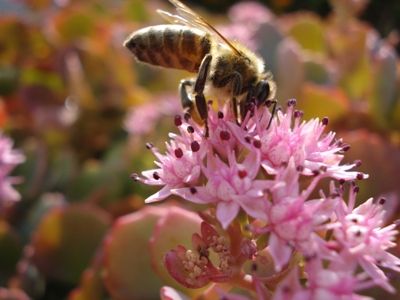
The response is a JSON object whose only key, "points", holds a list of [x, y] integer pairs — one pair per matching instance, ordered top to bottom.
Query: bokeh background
{"points": [[81, 110]]}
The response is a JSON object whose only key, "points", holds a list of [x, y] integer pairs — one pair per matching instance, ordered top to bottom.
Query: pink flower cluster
{"points": [[9, 159], [271, 171]]}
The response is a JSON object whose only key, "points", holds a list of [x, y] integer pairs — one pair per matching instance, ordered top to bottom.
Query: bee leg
{"points": [[202, 75], [237, 82], [263, 92], [200, 100], [187, 102], [246, 105]]}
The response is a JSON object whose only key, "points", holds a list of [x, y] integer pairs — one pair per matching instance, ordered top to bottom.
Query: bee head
{"points": [[266, 87], [262, 91]]}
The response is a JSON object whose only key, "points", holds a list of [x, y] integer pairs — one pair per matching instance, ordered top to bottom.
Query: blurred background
{"points": [[80, 109]]}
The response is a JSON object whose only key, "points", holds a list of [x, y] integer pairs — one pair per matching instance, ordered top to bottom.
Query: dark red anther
{"points": [[291, 102], [298, 114], [220, 115], [187, 116], [178, 120], [325, 121], [190, 129], [224, 135], [247, 139], [257, 144], [149, 145], [195, 146], [346, 147], [178, 152], [357, 162], [300, 168], [316, 172], [242, 173], [156, 176], [360, 176], [134, 177], [342, 181], [356, 189], [193, 190], [382, 201]]}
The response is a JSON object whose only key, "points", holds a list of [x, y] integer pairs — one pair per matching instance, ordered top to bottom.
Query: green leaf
{"points": [[66, 241]]}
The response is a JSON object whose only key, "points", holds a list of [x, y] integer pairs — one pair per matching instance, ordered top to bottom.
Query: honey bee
{"points": [[225, 69]]}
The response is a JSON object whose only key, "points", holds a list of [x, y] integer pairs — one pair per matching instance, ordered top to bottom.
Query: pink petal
{"points": [[252, 163], [269, 168], [193, 175], [149, 179], [160, 195], [200, 195], [255, 207], [226, 212], [279, 251], [390, 261], [376, 274], [292, 281], [168, 293]]}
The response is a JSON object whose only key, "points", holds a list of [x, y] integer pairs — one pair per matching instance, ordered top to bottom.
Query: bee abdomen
{"points": [[170, 46]]}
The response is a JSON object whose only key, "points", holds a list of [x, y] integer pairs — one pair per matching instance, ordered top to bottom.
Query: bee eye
{"points": [[267, 89], [262, 91]]}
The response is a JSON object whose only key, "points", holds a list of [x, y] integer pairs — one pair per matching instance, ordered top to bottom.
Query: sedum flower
{"points": [[288, 137], [9, 159], [180, 166], [223, 170], [257, 181], [230, 186], [294, 218], [361, 239], [321, 284]]}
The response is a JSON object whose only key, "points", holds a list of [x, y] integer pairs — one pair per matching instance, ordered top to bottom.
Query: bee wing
{"points": [[187, 16], [174, 19]]}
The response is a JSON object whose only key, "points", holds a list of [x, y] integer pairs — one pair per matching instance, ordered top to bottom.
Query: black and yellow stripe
{"points": [[170, 46]]}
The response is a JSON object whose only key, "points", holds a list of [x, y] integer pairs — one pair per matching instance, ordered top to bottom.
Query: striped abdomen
{"points": [[170, 46]]}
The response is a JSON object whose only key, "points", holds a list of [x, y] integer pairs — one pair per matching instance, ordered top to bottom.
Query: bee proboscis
{"points": [[225, 69]]}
